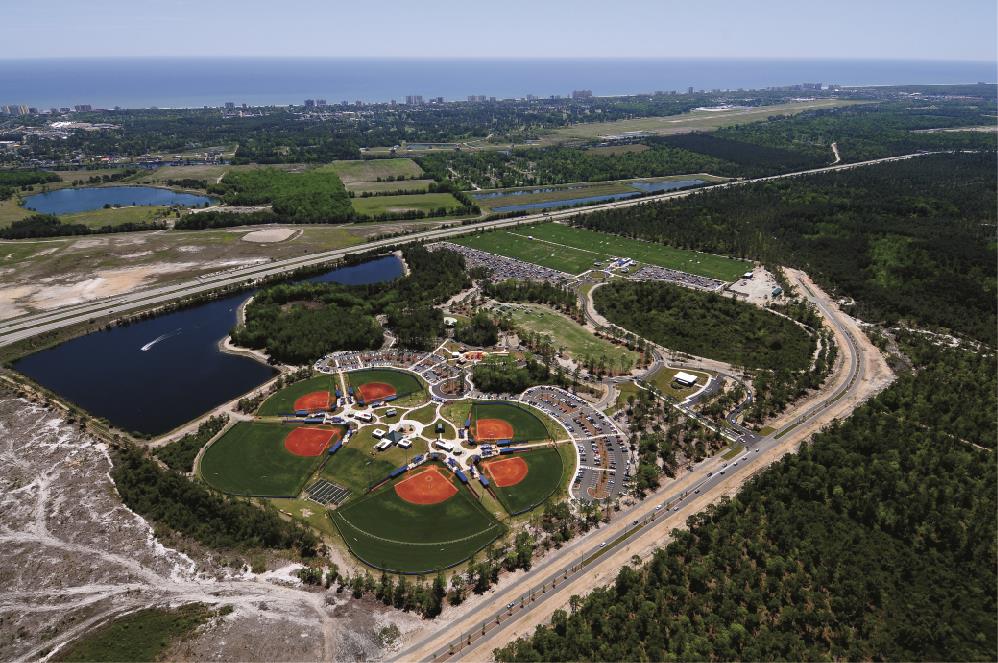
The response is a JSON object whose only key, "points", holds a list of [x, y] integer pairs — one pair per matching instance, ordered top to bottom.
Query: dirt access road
{"points": [[594, 560]]}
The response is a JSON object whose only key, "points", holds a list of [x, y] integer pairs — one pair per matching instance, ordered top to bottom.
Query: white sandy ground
{"points": [[269, 235], [757, 290], [74, 557]]}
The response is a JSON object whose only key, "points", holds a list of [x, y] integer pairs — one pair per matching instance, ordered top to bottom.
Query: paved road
{"points": [[21, 327], [509, 612]]}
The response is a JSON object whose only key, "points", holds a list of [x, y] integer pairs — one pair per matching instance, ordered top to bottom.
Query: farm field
{"points": [[696, 120], [371, 170], [421, 202], [606, 245], [578, 341], [283, 402], [523, 425], [250, 459], [544, 471], [388, 532]]}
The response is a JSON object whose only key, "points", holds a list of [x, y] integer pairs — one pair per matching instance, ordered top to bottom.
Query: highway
{"points": [[25, 326], [515, 609]]}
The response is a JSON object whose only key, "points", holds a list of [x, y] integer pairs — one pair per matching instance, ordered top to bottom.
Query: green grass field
{"points": [[370, 170], [374, 187], [424, 202], [513, 245], [606, 245], [577, 341], [405, 384], [283, 402], [527, 426], [250, 459], [354, 469], [544, 473], [389, 533]]}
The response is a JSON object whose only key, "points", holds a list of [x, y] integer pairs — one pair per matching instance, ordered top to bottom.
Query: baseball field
{"points": [[375, 384], [315, 393], [498, 420], [265, 459], [524, 480], [422, 521]]}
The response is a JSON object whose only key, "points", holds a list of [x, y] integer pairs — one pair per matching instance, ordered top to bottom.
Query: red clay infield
{"points": [[375, 391], [316, 400], [493, 429], [309, 441], [506, 472], [427, 487]]}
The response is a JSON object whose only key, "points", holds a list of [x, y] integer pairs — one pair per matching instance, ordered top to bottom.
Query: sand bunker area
{"points": [[270, 235], [76, 557]]}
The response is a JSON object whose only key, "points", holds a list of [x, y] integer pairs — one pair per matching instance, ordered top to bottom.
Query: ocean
{"points": [[196, 82]]}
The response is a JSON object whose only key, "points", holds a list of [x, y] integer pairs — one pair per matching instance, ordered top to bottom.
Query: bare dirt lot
{"points": [[74, 557]]}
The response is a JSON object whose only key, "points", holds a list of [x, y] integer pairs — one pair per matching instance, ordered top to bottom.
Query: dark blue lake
{"points": [[84, 199], [157, 374]]}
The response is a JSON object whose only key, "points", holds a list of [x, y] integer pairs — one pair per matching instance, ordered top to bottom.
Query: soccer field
{"points": [[574, 250], [250, 459], [544, 473], [389, 533]]}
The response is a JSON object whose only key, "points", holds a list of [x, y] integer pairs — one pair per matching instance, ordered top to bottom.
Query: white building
{"points": [[685, 379]]}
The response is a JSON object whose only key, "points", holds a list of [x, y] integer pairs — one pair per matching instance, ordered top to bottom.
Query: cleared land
{"points": [[696, 120], [371, 170], [421, 202], [575, 250], [576, 340], [283, 402], [251, 459], [544, 473], [387, 532]]}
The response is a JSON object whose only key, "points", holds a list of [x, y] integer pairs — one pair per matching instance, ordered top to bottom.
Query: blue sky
{"points": [[882, 29]]}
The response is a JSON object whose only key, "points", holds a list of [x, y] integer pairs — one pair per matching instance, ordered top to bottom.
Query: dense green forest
{"points": [[14, 180], [308, 197], [48, 225], [910, 240], [538, 292], [297, 323], [705, 324], [480, 331], [501, 374], [180, 454], [190, 509], [876, 541]]}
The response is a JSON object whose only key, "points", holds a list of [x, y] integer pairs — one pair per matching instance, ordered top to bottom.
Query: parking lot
{"points": [[602, 449]]}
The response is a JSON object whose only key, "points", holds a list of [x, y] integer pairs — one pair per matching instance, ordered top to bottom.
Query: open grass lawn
{"points": [[371, 170], [406, 185], [424, 202], [10, 211], [115, 216], [517, 245], [607, 245], [577, 341], [663, 380], [283, 402], [456, 412], [424, 415], [527, 426], [250, 459], [355, 469], [544, 475], [387, 532], [140, 636]]}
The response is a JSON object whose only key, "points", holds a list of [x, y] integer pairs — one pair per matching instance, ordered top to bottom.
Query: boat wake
{"points": [[148, 346]]}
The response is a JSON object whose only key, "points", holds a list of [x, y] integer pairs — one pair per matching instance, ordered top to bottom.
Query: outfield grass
{"points": [[369, 170], [424, 202], [576, 340], [283, 402], [527, 426], [250, 459], [544, 473], [387, 532], [140, 636]]}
